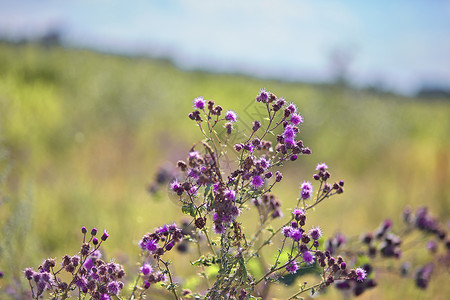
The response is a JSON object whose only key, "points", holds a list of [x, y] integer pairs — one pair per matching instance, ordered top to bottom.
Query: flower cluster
{"points": [[204, 190], [224, 197], [216, 198], [268, 205], [424, 221], [163, 239], [383, 240], [386, 244], [154, 245], [306, 245], [90, 275], [358, 282]]}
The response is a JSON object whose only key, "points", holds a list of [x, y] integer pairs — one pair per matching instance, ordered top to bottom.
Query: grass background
{"points": [[83, 134]]}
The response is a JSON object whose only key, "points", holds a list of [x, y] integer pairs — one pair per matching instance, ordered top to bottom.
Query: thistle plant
{"points": [[217, 195], [88, 274]]}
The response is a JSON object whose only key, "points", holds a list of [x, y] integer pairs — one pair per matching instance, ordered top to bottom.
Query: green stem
{"points": [[172, 285], [135, 286], [304, 290]]}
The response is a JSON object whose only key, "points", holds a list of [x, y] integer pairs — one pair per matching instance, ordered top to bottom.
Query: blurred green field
{"points": [[83, 134]]}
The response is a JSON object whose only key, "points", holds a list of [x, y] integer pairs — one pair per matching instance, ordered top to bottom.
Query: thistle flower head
{"points": [[262, 97], [199, 103], [292, 108], [231, 116], [296, 119], [289, 132], [194, 155], [263, 163], [322, 167], [257, 181], [175, 186], [306, 190], [230, 194], [298, 212], [287, 231], [315, 233], [296, 234], [105, 235], [308, 257], [292, 267], [146, 269], [361, 274], [113, 287]]}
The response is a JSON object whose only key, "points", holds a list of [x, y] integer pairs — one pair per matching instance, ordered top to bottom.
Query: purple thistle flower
{"points": [[262, 97], [199, 103], [292, 108], [231, 116], [296, 119], [289, 132], [289, 142], [249, 147], [306, 151], [194, 154], [264, 163], [321, 167], [193, 173], [257, 181], [175, 186], [193, 190], [306, 190], [230, 195], [235, 211], [297, 213], [227, 218], [219, 228], [163, 229], [287, 231], [315, 233], [296, 234], [105, 235], [151, 245], [431, 246], [96, 254], [308, 257], [88, 264], [292, 267], [146, 269], [29, 272], [361, 274], [423, 275], [94, 276], [46, 277], [162, 277], [81, 282], [146, 284], [113, 288], [105, 297]]}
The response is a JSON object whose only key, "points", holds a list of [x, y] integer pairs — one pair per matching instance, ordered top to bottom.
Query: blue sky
{"points": [[400, 44]]}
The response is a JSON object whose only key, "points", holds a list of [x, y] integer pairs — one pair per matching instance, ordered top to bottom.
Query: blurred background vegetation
{"points": [[84, 133]]}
